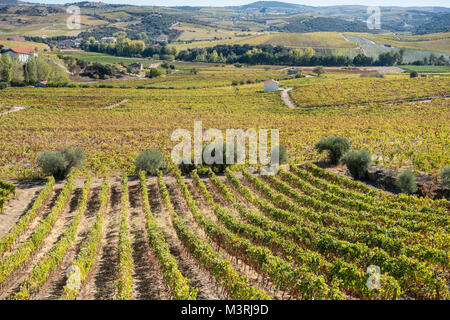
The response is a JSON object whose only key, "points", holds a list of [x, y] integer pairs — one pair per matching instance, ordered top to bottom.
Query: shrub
{"points": [[319, 70], [154, 73], [413, 74], [4, 85], [85, 85], [105, 85], [336, 147], [283, 156], [150, 161], [60, 163], [357, 163], [186, 168], [445, 176], [407, 182]]}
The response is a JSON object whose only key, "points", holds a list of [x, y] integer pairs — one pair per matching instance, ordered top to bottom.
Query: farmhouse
{"points": [[162, 38], [108, 40], [69, 43], [22, 54], [41, 84], [270, 85]]}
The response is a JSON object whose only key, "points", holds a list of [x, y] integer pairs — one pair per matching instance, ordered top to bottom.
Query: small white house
{"points": [[108, 40], [23, 54], [270, 85]]}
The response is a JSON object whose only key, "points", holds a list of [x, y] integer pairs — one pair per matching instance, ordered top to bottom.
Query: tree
{"points": [[120, 35], [309, 53], [362, 60], [6, 68], [319, 70], [30, 71], [154, 73], [335, 146], [60, 163], [357, 163], [406, 181]]}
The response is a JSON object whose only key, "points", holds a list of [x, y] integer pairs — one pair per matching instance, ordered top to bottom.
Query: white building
{"points": [[108, 40], [22, 54], [270, 85]]}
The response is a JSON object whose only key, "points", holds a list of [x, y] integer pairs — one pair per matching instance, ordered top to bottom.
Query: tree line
{"points": [[13, 72]]}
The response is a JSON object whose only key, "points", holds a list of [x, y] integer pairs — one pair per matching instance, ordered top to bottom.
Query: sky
{"points": [[218, 3]]}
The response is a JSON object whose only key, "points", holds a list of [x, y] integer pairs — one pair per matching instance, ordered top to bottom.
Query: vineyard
{"points": [[402, 133], [302, 234]]}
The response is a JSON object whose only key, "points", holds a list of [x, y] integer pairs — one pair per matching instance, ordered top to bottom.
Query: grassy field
{"points": [[43, 26], [316, 40], [431, 42], [22, 44], [105, 58], [427, 69]]}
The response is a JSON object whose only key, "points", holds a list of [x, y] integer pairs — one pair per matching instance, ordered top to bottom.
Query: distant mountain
{"points": [[9, 2], [269, 4], [273, 6]]}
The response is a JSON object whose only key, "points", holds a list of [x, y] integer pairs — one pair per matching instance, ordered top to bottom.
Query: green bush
{"points": [[154, 73], [413, 74], [4, 85], [85, 85], [104, 85], [336, 147], [283, 156], [150, 161], [60, 163], [357, 163], [186, 168], [445, 176], [406, 181]]}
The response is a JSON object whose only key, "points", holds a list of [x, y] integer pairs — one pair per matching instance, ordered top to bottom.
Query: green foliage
{"points": [[6, 68], [41, 69], [319, 70], [154, 73], [413, 74], [4, 85], [336, 147], [150, 161], [60, 163], [357, 163], [445, 176], [406, 181]]}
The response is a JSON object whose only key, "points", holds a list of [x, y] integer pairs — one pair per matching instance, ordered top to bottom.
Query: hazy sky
{"points": [[403, 3]]}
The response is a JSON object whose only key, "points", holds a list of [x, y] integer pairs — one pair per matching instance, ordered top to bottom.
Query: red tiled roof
{"points": [[22, 50]]}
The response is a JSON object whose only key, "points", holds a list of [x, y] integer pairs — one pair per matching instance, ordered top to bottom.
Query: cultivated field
{"points": [[371, 113], [303, 234]]}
